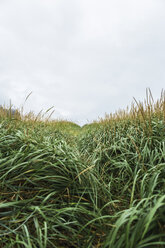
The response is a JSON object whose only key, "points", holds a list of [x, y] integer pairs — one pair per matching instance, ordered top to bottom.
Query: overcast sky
{"points": [[84, 57]]}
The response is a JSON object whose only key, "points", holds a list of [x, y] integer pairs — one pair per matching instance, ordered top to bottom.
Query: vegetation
{"points": [[102, 185]]}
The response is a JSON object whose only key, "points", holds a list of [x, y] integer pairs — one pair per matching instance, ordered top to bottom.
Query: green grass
{"points": [[102, 185]]}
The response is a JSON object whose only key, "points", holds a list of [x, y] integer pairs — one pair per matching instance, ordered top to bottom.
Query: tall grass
{"points": [[102, 185]]}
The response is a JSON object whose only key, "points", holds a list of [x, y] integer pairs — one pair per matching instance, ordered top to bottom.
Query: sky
{"points": [[85, 58]]}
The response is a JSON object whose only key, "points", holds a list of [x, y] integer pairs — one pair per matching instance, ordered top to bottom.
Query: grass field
{"points": [[102, 185]]}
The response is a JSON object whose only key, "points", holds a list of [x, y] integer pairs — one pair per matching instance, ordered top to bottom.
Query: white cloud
{"points": [[84, 57]]}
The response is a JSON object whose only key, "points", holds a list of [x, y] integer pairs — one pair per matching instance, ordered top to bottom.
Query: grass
{"points": [[102, 185]]}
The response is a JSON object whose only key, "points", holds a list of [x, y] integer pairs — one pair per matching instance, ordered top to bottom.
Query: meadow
{"points": [[100, 185]]}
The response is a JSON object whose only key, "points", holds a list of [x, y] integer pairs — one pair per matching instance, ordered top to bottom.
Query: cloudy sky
{"points": [[84, 57]]}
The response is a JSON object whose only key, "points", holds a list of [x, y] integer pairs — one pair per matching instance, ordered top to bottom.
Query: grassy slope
{"points": [[102, 185]]}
